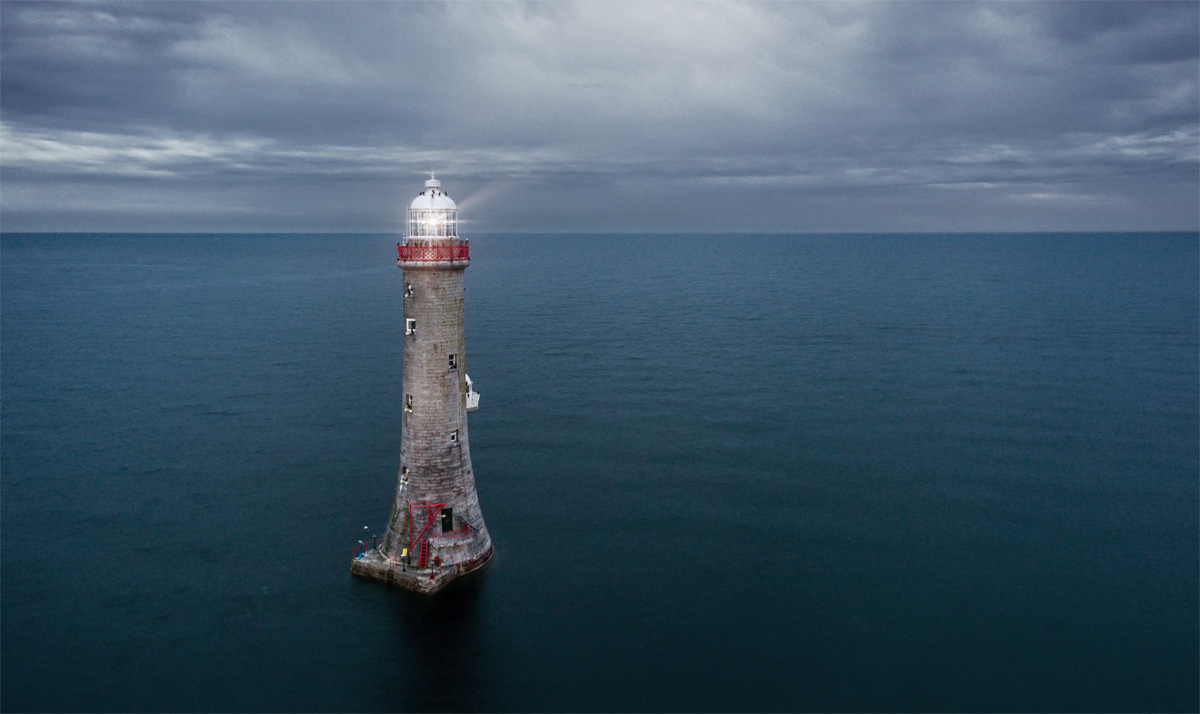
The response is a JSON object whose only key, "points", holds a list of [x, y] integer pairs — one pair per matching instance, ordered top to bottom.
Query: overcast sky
{"points": [[601, 116]]}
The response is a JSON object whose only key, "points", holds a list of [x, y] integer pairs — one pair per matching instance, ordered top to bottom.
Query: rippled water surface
{"points": [[728, 473]]}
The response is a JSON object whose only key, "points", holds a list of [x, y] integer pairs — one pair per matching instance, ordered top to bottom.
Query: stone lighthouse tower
{"points": [[436, 530]]}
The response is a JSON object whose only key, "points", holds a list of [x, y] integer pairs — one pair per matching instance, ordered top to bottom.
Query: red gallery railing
{"points": [[434, 252]]}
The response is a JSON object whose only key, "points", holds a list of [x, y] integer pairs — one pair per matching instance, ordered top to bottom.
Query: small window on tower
{"points": [[408, 290], [410, 326], [454, 361], [408, 402], [454, 436], [404, 472]]}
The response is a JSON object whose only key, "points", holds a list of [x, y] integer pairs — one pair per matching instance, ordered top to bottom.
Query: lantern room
{"points": [[432, 214]]}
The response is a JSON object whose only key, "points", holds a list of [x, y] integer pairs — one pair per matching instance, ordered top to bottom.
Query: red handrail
{"points": [[433, 252], [431, 511], [362, 548]]}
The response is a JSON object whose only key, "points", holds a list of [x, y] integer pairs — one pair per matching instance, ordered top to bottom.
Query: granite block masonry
{"points": [[435, 532]]}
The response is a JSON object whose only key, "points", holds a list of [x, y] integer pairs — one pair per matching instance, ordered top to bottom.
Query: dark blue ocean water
{"points": [[727, 473]]}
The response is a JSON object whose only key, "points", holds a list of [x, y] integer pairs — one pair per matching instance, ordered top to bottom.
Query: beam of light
{"points": [[485, 195]]}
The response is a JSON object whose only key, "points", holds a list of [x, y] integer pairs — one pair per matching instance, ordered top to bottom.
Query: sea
{"points": [[752, 473]]}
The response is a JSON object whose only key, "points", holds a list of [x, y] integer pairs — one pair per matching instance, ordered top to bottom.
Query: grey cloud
{"points": [[663, 106]]}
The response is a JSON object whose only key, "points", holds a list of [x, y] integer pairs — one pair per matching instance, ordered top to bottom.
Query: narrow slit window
{"points": [[408, 290], [410, 326], [454, 361], [408, 402], [454, 436], [404, 472]]}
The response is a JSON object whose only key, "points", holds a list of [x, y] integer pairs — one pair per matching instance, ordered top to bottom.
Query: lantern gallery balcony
{"points": [[412, 252]]}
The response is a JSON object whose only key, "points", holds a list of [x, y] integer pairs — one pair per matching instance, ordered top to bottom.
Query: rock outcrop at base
{"points": [[373, 565]]}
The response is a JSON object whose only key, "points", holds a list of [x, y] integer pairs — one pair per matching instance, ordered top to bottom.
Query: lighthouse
{"points": [[435, 532]]}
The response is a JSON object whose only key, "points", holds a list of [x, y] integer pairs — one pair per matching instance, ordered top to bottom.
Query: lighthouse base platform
{"points": [[376, 566]]}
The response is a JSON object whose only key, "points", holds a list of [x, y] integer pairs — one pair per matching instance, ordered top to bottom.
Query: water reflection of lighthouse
{"points": [[436, 530]]}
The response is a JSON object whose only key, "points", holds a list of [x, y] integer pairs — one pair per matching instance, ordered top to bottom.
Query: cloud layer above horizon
{"points": [[601, 116]]}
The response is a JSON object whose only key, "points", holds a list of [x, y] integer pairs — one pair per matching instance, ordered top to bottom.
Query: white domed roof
{"points": [[432, 197]]}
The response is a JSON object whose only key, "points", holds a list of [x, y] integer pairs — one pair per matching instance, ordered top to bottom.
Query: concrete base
{"points": [[375, 566]]}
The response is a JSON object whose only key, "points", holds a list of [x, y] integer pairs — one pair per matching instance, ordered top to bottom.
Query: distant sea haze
{"points": [[722, 473]]}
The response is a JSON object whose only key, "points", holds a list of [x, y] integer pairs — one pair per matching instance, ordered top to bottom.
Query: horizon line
{"points": [[662, 233]]}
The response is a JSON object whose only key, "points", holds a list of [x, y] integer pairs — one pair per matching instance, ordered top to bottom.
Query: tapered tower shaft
{"points": [[436, 529]]}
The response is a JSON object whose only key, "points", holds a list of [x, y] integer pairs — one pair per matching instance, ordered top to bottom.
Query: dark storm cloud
{"points": [[606, 116]]}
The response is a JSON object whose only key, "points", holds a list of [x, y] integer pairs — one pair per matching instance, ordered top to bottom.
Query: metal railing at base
{"points": [[363, 546]]}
